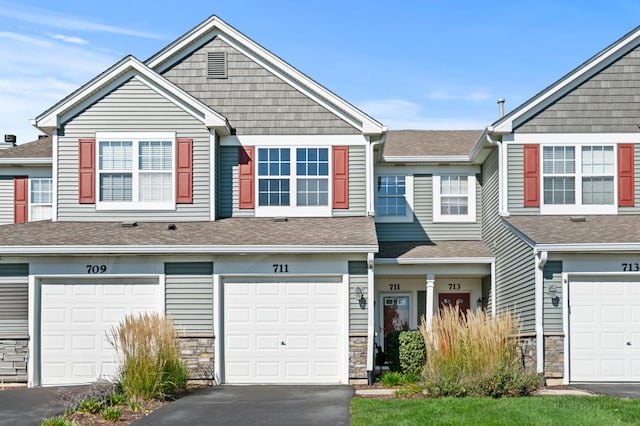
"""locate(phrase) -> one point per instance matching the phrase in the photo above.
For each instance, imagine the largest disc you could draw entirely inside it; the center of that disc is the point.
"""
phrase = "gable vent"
(216, 64)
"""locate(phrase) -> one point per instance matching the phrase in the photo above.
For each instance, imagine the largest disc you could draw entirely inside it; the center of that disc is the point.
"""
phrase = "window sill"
(578, 209)
(101, 206)
(394, 219)
(288, 211)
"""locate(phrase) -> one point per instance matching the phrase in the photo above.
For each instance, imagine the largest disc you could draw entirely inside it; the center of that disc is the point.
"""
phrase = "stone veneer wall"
(554, 356)
(527, 346)
(197, 352)
(357, 357)
(13, 360)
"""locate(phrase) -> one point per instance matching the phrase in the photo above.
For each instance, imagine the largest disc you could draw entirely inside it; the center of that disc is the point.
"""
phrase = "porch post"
(429, 307)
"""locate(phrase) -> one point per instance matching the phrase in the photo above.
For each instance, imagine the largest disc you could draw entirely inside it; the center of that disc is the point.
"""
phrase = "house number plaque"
(96, 269)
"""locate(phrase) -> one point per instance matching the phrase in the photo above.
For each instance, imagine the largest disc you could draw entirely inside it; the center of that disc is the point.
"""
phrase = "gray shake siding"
(14, 287)
(252, 98)
(357, 315)
(552, 317)
(423, 227)
(228, 190)
(132, 107)
(189, 296)
(607, 102)
(515, 275)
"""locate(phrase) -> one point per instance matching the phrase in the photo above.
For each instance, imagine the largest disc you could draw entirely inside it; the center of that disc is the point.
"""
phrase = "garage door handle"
(283, 343)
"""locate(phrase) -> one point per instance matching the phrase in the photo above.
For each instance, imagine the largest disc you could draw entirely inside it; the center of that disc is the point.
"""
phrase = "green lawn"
(535, 410)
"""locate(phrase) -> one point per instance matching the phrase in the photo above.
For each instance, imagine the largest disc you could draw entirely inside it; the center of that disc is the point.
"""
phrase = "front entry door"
(395, 313)
(461, 300)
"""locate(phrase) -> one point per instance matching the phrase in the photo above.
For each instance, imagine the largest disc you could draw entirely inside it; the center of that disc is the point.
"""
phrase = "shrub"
(100, 390)
(57, 421)
(474, 355)
(409, 378)
(151, 365)
(116, 399)
(91, 406)
(409, 390)
(393, 350)
(412, 352)
(111, 414)
(134, 405)
(391, 379)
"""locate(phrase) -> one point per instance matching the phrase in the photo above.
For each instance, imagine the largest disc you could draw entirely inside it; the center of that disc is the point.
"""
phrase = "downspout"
(502, 209)
(371, 211)
(371, 319)
(541, 260)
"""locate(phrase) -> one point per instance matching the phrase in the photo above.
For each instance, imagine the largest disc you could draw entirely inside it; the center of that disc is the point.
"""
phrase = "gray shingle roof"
(433, 249)
(602, 229)
(41, 148)
(409, 143)
(332, 231)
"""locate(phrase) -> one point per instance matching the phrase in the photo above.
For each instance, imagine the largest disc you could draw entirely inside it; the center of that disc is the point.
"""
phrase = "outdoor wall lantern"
(362, 301)
(553, 292)
(480, 303)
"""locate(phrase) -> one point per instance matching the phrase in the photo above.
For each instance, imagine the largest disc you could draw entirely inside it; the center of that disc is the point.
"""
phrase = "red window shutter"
(20, 199)
(340, 177)
(532, 175)
(245, 176)
(87, 171)
(184, 171)
(625, 176)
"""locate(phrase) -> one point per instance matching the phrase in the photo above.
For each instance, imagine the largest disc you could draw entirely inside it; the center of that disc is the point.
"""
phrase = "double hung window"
(136, 171)
(293, 181)
(394, 198)
(40, 199)
(576, 176)
(454, 198)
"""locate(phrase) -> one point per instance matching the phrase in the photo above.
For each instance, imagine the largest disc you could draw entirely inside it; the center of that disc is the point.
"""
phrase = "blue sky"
(410, 64)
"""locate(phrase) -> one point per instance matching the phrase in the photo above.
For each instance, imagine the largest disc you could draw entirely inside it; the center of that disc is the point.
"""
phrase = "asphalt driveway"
(257, 405)
(27, 407)
(620, 390)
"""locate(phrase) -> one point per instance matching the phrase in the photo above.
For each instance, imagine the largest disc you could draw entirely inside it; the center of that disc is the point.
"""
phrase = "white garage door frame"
(218, 314)
(34, 364)
(567, 278)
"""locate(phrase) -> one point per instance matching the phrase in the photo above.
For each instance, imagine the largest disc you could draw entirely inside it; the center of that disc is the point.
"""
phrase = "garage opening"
(284, 332)
(75, 317)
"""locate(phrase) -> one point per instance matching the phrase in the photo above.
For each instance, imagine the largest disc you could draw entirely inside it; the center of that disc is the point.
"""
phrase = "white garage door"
(279, 332)
(75, 319)
(604, 324)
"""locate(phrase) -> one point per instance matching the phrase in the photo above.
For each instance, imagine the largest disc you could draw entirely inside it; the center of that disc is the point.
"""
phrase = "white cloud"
(21, 38)
(399, 114)
(68, 39)
(51, 19)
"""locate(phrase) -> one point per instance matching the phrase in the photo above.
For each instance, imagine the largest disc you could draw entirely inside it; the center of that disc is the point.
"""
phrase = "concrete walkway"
(260, 404)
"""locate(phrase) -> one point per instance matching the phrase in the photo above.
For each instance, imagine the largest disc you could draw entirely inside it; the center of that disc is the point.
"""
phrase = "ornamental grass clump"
(473, 354)
(151, 367)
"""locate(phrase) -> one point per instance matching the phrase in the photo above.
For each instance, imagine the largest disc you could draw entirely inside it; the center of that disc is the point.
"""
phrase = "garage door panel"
(283, 312)
(601, 323)
(77, 319)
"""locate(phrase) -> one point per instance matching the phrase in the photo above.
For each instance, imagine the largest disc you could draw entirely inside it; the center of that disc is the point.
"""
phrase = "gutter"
(589, 247)
(172, 249)
(371, 208)
(26, 161)
(433, 260)
(540, 261)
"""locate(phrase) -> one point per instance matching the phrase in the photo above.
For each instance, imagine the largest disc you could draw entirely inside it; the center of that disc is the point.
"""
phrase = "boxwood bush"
(413, 352)
(393, 350)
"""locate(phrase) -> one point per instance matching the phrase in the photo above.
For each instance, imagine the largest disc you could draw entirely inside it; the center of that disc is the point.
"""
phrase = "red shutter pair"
(246, 177)
(87, 171)
(625, 175)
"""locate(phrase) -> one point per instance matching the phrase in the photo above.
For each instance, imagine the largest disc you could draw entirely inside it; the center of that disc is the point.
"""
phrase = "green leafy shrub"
(408, 378)
(91, 406)
(474, 355)
(391, 379)
(111, 414)
(57, 421)
(393, 349)
(151, 365)
(412, 352)
(117, 399)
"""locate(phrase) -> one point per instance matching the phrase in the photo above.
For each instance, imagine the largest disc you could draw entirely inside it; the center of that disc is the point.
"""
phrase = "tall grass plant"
(151, 367)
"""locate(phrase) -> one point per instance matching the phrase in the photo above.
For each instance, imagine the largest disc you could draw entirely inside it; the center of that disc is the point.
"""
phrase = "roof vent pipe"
(10, 139)
(501, 107)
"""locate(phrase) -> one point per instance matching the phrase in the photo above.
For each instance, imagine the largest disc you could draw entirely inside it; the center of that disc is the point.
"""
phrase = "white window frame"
(135, 138)
(470, 217)
(408, 196)
(33, 204)
(578, 207)
(293, 210)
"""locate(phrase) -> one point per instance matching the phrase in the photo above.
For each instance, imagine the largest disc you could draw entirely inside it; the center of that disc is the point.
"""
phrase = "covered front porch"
(414, 280)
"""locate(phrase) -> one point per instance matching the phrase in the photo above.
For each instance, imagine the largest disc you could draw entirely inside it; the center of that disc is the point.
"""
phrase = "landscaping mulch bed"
(128, 415)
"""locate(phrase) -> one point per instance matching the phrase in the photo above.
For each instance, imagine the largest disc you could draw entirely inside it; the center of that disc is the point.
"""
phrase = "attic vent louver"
(217, 65)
